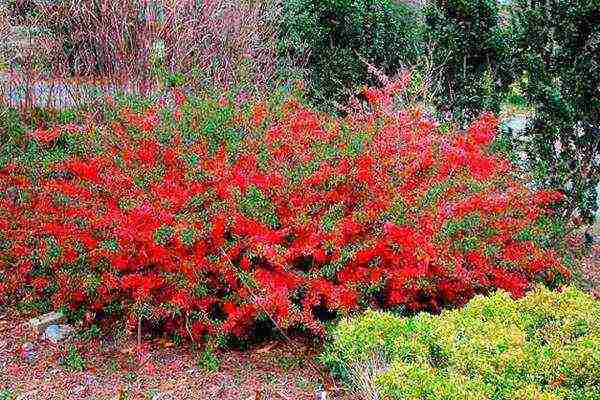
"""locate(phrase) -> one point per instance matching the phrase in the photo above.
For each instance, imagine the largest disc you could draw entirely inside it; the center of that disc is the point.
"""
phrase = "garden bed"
(110, 369)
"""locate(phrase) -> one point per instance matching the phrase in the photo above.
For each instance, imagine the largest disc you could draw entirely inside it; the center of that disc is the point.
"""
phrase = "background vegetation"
(475, 56)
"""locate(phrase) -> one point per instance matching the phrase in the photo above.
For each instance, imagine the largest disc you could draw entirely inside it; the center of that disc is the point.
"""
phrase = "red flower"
(547, 197)
(181, 300)
(483, 130)
(88, 170)
(150, 122)
(46, 135)
(259, 113)
(147, 153)
(39, 283)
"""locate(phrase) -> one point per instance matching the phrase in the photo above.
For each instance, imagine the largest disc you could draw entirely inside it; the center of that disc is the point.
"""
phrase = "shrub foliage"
(478, 55)
(472, 47)
(333, 37)
(558, 65)
(543, 346)
(204, 217)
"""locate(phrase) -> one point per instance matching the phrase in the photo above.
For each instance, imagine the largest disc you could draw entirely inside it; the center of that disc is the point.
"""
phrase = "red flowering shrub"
(205, 217)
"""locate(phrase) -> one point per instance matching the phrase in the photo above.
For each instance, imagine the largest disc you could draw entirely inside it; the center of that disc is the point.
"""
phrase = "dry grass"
(130, 43)
(363, 377)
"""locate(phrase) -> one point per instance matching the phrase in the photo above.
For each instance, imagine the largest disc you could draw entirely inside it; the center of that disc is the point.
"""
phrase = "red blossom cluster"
(304, 217)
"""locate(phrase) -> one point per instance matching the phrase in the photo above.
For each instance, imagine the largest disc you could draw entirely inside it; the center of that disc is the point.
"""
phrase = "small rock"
(321, 395)
(161, 396)
(41, 323)
(57, 333)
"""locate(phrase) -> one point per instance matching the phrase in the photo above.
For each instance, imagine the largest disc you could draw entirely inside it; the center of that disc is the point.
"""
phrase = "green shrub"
(557, 65)
(208, 360)
(7, 394)
(472, 47)
(332, 36)
(73, 361)
(543, 346)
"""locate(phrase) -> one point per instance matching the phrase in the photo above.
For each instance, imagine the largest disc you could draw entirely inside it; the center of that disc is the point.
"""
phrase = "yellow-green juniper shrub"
(541, 347)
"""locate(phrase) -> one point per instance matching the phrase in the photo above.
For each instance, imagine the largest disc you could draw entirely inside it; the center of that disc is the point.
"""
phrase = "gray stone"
(321, 395)
(57, 333)
(39, 324)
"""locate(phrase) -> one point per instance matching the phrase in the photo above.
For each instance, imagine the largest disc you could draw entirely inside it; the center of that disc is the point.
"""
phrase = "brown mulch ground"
(591, 264)
(120, 371)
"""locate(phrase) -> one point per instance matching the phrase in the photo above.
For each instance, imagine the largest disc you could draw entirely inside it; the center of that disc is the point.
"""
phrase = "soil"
(117, 369)
(591, 264)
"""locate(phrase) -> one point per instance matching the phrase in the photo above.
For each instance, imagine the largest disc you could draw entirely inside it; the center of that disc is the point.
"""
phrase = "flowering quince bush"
(206, 216)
